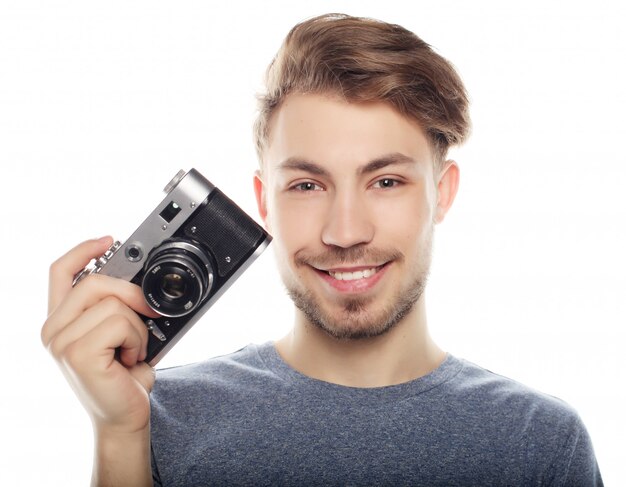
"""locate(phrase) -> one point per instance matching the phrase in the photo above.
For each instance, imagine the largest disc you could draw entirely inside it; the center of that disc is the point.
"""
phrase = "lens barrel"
(178, 276)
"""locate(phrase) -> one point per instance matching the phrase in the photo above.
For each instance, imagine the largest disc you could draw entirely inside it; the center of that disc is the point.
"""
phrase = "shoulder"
(244, 367)
(555, 440)
(481, 383)
(496, 391)
(243, 357)
(546, 423)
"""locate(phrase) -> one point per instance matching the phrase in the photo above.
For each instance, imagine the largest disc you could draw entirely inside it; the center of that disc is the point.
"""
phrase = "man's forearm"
(121, 459)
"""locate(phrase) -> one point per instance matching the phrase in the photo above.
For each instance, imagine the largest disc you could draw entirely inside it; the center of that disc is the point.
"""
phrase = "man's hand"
(86, 325)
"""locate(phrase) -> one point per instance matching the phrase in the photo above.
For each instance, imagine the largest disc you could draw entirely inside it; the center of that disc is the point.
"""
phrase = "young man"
(352, 137)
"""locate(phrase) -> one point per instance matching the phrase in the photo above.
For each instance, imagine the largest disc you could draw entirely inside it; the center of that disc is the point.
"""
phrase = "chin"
(354, 319)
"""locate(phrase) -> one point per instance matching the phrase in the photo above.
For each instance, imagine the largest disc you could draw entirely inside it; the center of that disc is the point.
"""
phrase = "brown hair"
(365, 60)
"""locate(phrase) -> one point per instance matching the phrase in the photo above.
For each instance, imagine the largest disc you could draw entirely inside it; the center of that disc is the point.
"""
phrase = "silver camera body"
(188, 251)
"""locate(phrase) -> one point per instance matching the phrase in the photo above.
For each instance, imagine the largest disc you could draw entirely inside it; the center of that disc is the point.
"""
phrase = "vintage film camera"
(190, 249)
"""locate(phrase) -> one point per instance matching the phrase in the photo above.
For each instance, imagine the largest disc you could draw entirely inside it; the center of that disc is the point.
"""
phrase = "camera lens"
(178, 276)
(173, 286)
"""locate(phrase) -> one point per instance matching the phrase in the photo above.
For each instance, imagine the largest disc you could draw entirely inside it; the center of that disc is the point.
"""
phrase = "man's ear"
(447, 187)
(261, 201)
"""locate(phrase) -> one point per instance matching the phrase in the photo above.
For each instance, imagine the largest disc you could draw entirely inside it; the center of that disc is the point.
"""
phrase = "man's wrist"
(121, 458)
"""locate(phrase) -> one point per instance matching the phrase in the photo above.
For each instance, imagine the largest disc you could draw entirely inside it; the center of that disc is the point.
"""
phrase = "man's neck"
(404, 353)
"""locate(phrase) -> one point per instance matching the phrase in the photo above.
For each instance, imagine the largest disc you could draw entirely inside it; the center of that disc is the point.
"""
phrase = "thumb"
(144, 374)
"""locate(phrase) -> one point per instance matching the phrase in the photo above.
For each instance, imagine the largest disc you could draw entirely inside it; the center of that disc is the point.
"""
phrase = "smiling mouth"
(354, 275)
(351, 280)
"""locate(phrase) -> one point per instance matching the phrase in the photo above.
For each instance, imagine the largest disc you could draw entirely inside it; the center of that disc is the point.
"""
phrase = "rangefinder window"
(170, 212)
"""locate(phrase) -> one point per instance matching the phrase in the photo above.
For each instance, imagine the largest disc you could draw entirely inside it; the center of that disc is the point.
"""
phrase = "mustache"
(336, 256)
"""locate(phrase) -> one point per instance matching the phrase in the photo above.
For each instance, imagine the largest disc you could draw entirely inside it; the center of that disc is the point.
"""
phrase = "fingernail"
(103, 239)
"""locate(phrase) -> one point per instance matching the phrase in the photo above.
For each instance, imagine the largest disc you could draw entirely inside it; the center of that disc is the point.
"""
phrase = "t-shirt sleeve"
(578, 466)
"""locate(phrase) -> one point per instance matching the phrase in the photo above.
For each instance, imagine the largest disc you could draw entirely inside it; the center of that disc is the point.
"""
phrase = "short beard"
(356, 322)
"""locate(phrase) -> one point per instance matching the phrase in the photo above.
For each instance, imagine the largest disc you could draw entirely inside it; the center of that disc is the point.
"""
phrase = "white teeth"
(351, 276)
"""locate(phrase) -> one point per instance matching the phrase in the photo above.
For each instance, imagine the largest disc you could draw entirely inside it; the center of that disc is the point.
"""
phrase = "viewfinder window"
(170, 212)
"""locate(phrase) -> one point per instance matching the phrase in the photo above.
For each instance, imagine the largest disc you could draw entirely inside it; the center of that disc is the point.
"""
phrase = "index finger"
(63, 270)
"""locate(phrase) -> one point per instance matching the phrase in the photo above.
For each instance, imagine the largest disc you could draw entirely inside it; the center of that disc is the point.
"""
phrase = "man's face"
(349, 194)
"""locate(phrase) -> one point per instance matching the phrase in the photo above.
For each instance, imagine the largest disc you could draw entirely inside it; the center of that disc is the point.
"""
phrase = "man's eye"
(386, 183)
(306, 186)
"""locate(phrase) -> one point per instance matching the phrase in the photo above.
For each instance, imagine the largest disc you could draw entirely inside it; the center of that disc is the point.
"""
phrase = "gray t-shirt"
(250, 419)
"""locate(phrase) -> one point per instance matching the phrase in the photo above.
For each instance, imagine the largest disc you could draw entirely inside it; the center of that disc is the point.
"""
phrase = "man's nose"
(348, 222)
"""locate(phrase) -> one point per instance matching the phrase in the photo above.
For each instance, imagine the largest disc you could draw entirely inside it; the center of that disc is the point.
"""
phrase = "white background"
(102, 103)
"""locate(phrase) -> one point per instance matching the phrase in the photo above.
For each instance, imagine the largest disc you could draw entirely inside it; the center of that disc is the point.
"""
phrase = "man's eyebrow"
(301, 164)
(384, 161)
